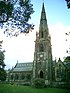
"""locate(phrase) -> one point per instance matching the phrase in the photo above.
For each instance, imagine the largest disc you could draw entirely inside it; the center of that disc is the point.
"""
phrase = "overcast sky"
(21, 48)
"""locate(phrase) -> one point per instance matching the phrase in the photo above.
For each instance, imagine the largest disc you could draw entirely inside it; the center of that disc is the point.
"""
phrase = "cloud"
(21, 48)
(58, 37)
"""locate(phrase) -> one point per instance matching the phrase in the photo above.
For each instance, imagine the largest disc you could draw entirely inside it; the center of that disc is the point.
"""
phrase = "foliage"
(14, 16)
(39, 83)
(7, 88)
(67, 59)
(5, 11)
(2, 74)
(68, 3)
(2, 65)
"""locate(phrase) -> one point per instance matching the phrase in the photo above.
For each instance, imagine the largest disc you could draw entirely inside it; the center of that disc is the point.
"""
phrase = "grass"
(6, 88)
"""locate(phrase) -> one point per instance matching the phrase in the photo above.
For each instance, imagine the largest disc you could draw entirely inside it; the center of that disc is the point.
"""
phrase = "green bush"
(39, 83)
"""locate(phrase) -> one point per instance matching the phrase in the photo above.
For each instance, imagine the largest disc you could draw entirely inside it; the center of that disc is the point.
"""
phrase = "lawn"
(6, 88)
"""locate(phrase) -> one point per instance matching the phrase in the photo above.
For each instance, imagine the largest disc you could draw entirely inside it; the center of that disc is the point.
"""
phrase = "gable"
(60, 64)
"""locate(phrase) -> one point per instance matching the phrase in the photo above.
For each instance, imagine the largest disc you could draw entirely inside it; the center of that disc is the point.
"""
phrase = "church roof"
(23, 67)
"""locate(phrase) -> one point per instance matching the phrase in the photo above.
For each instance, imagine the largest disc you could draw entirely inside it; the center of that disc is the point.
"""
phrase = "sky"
(22, 48)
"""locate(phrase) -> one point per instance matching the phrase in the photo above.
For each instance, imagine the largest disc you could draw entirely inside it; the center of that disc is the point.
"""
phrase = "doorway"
(41, 74)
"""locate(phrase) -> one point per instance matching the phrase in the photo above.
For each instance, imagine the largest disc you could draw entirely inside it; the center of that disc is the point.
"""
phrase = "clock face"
(41, 55)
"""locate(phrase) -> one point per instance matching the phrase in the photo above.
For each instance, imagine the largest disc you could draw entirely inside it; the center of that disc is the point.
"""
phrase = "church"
(43, 65)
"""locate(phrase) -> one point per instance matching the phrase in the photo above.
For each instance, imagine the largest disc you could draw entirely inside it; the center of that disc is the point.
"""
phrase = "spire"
(43, 22)
(43, 14)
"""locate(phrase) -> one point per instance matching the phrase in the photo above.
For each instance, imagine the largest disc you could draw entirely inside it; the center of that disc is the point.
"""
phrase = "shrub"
(39, 83)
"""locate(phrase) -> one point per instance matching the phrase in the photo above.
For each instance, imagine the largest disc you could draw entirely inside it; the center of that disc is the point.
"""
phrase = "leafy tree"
(2, 74)
(2, 66)
(68, 3)
(15, 14)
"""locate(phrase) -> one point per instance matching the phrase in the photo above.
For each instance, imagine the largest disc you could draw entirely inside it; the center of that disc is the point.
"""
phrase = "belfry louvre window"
(41, 48)
(42, 34)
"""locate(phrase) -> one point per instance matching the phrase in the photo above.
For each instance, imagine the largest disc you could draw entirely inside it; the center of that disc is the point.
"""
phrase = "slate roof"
(23, 67)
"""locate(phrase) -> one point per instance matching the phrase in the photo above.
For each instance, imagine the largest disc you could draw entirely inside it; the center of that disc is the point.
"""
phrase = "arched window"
(22, 76)
(42, 34)
(16, 76)
(58, 73)
(12, 77)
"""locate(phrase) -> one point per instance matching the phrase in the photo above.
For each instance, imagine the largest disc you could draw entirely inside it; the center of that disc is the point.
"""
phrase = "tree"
(68, 3)
(2, 65)
(2, 74)
(15, 14)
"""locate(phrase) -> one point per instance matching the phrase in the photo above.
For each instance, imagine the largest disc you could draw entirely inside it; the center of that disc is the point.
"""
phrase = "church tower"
(42, 64)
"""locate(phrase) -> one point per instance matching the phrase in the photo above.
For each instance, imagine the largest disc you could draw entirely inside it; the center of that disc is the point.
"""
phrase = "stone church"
(42, 66)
